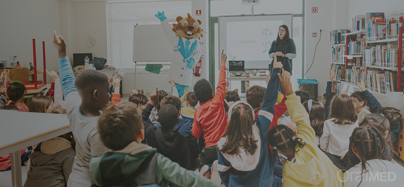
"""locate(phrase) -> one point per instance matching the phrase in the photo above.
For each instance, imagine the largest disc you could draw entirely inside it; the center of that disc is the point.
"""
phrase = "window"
(121, 18)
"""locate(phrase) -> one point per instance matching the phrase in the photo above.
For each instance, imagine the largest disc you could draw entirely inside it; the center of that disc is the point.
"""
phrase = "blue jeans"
(181, 88)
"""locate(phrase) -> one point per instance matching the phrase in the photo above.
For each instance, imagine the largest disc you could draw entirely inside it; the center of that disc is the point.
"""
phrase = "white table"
(22, 129)
(251, 78)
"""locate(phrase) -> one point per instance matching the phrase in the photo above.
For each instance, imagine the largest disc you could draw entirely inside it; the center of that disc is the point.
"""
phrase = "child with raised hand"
(116, 97)
(367, 143)
(210, 117)
(305, 164)
(359, 101)
(317, 118)
(244, 157)
(83, 107)
(188, 111)
(328, 95)
(140, 100)
(132, 163)
(338, 128)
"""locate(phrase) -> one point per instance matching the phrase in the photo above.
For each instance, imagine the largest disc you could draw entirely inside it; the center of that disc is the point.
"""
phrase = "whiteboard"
(150, 44)
(249, 37)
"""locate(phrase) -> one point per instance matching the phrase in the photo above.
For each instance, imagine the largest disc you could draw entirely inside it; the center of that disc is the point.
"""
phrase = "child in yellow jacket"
(306, 164)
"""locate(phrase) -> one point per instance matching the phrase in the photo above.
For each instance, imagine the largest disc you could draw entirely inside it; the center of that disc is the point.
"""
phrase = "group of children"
(224, 141)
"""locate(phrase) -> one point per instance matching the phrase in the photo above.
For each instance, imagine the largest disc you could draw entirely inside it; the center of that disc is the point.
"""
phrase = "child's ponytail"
(281, 137)
(239, 131)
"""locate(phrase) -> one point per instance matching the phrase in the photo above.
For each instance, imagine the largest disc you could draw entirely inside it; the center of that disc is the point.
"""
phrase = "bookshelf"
(371, 52)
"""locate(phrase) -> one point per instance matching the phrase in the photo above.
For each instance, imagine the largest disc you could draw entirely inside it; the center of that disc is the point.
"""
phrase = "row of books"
(382, 81)
(356, 46)
(381, 55)
(356, 74)
(337, 52)
(376, 26)
(392, 28)
(336, 87)
(336, 36)
(339, 72)
(358, 23)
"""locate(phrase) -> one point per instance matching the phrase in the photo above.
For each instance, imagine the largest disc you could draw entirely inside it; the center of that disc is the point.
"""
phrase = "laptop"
(236, 68)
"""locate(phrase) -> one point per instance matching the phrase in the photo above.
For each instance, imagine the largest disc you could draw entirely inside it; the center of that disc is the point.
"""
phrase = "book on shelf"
(358, 23)
(385, 55)
(336, 36)
(376, 26)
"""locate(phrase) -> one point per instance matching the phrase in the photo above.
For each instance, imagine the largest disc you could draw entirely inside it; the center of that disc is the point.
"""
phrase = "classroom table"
(240, 78)
(22, 129)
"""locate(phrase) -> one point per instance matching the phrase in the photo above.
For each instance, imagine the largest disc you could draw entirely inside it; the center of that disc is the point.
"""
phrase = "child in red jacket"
(210, 117)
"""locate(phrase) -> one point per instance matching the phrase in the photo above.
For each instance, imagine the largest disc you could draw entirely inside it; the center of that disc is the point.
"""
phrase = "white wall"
(90, 21)
(314, 22)
(67, 25)
(23, 20)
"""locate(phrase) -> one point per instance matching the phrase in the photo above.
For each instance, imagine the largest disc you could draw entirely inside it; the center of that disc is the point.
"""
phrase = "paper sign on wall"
(314, 34)
(314, 9)
(198, 12)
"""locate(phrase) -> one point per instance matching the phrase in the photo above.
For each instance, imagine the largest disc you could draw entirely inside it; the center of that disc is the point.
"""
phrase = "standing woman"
(284, 48)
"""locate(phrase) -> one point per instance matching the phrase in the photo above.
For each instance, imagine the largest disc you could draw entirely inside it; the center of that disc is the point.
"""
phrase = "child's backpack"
(144, 176)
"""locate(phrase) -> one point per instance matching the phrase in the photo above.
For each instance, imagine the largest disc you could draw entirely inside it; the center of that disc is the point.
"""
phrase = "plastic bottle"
(18, 64)
(86, 60)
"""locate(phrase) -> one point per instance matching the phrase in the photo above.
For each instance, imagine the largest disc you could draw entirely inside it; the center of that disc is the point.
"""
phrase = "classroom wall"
(314, 22)
(67, 26)
(23, 20)
(90, 21)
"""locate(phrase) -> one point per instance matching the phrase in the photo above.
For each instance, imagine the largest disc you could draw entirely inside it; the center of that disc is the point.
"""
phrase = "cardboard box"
(18, 74)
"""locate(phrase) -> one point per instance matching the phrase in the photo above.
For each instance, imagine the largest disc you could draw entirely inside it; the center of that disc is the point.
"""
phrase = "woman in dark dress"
(284, 48)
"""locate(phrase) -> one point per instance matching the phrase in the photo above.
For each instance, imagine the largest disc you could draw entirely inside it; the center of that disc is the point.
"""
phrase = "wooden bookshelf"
(362, 67)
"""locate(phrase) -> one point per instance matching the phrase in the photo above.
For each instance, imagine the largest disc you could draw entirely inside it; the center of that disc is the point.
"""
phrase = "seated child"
(304, 95)
(254, 97)
(392, 114)
(359, 101)
(183, 126)
(305, 164)
(83, 107)
(244, 157)
(15, 93)
(231, 98)
(188, 111)
(121, 130)
(394, 117)
(317, 118)
(51, 162)
(40, 104)
(383, 126)
(140, 100)
(210, 117)
(367, 143)
(3, 100)
(338, 128)
(165, 139)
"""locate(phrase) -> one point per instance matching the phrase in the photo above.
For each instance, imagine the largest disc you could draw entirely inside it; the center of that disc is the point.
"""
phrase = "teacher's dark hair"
(286, 38)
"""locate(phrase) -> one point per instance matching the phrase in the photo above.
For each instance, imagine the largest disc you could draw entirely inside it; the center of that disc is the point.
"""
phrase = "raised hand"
(160, 16)
(186, 91)
(332, 75)
(111, 78)
(53, 74)
(345, 91)
(154, 97)
(277, 64)
(362, 86)
(117, 82)
(172, 81)
(246, 84)
(223, 59)
(285, 82)
(60, 44)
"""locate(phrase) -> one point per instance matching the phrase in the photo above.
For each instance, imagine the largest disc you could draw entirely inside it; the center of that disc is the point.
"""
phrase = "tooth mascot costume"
(184, 36)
